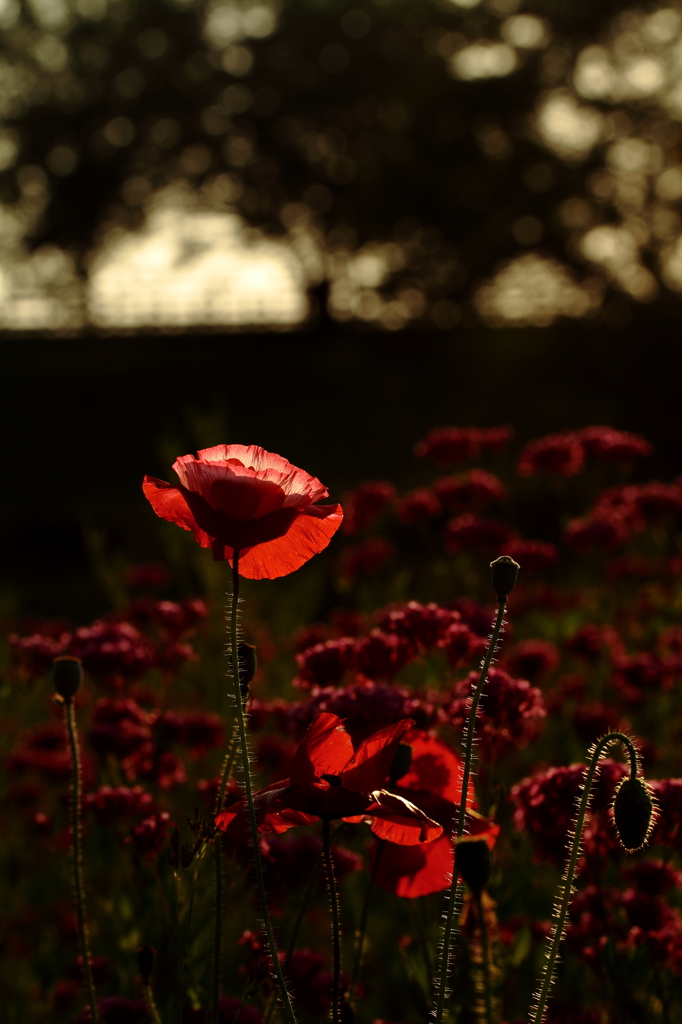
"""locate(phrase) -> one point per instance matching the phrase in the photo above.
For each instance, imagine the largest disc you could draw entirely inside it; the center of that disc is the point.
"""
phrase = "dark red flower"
(44, 749)
(325, 663)
(151, 834)
(469, 491)
(365, 559)
(562, 454)
(199, 731)
(113, 649)
(418, 506)
(592, 639)
(363, 707)
(362, 505)
(311, 982)
(447, 446)
(511, 710)
(544, 807)
(532, 555)
(495, 439)
(462, 645)
(238, 497)
(467, 531)
(421, 626)
(331, 780)
(533, 658)
(37, 652)
(615, 445)
(584, 534)
(147, 574)
(381, 655)
(117, 1010)
(668, 827)
(120, 726)
(116, 804)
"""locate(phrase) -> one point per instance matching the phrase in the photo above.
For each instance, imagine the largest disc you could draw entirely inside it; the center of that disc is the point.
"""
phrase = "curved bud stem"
(77, 857)
(538, 1008)
(248, 787)
(454, 896)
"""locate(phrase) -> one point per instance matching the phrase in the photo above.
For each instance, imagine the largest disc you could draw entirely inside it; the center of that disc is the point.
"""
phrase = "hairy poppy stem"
(455, 889)
(360, 933)
(150, 1003)
(77, 858)
(336, 923)
(228, 762)
(485, 950)
(248, 786)
(537, 1011)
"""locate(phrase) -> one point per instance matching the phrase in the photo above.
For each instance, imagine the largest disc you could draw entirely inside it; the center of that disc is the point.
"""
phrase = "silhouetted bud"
(401, 763)
(474, 863)
(247, 666)
(503, 572)
(145, 962)
(633, 810)
(67, 674)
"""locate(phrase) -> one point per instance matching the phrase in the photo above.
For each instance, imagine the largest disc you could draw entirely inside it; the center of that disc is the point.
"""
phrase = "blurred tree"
(423, 161)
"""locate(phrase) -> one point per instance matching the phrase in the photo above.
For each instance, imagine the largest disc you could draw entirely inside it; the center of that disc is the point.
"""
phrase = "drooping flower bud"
(633, 810)
(145, 962)
(503, 572)
(67, 675)
(247, 666)
(474, 863)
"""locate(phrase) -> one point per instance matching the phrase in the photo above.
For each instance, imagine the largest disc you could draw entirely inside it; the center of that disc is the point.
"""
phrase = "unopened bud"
(145, 962)
(67, 675)
(633, 810)
(247, 666)
(503, 572)
(474, 863)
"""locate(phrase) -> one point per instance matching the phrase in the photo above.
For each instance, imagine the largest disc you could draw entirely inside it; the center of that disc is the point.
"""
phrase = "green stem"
(336, 924)
(228, 762)
(77, 859)
(537, 1011)
(150, 1003)
(454, 894)
(248, 786)
(486, 961)
(360, 933)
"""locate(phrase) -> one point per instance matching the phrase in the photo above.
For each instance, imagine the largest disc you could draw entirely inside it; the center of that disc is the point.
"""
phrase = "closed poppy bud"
(633, 810)
(247, 666)
(503, 572)
(67, 675)
(474, 863)
(145, 962)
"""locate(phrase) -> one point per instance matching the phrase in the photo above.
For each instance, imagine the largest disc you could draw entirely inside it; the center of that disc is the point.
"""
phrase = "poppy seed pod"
(474, 863)
(67, 675)
(633, 810)
(503, 572)
(145, 962)
(247, 666)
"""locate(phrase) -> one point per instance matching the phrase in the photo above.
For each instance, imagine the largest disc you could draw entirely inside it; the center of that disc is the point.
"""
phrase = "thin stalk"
(336, 923)
(360, 933)
(248, 786)
(455, 889)
(537, 1011)
(485, 950)
(228, 762)
(150, 1003)
(77, 857)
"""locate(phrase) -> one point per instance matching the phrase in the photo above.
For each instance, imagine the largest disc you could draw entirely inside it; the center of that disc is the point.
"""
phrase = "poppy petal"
(399, 821)
(370, 764)
(309, 533)
(412, 871)
(435, 767)
(295, 482)
(325, 749)
(169, 503)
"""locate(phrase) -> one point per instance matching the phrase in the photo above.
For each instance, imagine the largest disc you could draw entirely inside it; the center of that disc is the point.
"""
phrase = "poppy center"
(333, 780)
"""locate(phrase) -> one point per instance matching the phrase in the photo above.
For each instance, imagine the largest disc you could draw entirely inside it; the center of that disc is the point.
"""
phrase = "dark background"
(84, 419)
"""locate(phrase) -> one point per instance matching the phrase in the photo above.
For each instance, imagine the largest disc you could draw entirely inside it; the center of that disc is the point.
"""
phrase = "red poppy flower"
(433, 783)
(237, 497)
(331, 780)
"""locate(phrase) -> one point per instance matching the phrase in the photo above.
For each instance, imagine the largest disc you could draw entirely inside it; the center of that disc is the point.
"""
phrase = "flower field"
(345, 641)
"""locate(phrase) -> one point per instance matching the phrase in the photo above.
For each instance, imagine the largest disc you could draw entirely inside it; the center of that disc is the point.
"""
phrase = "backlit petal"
(412, 871)
(295, 482)
(309, 534)
(325, 749)
(399, 821)
(168, 503)
(435, 767)
(369, 766)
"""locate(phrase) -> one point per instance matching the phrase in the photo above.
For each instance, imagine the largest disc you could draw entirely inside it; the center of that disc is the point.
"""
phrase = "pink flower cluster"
(452, 445)
(564, 454)
(511, 711)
